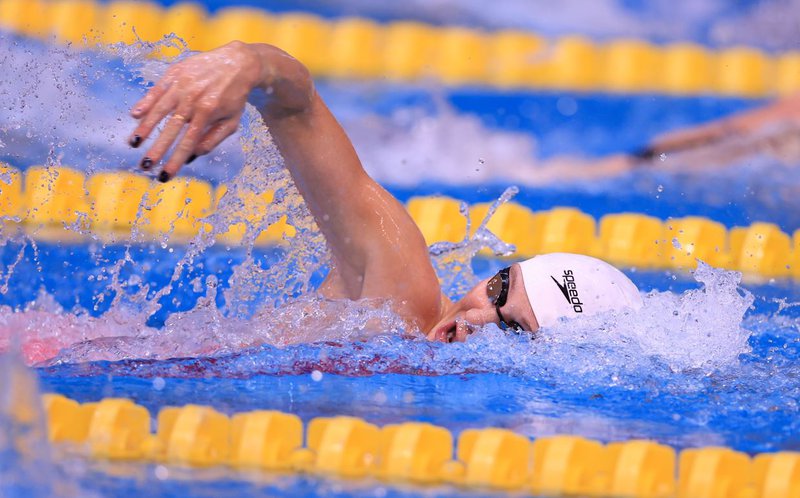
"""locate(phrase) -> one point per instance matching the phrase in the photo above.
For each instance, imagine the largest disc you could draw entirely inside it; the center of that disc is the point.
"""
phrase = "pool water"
(686, 371)
(707, 361)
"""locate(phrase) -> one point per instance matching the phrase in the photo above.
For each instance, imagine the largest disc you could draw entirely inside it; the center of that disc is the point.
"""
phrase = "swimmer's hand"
(203, 97)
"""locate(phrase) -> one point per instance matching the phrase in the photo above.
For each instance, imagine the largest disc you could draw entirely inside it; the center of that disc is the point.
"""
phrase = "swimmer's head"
(539, 292)
(562, 285)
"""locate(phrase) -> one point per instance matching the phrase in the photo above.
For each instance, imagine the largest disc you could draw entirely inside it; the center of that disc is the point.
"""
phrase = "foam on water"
(414, 145)
(70, 107)
(699, 331)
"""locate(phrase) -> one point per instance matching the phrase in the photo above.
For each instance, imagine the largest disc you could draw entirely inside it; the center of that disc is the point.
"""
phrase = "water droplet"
(316, 376)
(161, 472)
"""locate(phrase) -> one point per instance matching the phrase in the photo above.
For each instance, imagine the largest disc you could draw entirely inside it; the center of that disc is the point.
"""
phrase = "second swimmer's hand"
(202, 99)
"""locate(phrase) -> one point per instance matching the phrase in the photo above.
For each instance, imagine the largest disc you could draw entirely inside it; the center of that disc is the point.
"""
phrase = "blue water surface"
(393, 379)
(749, 404)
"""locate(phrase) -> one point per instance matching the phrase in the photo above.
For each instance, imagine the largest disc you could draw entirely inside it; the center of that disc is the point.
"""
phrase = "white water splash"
(698, 329)
(414, 146)
(70, 107)
(453, 260)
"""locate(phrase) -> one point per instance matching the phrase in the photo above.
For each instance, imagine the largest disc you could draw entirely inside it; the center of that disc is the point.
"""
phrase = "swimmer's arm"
(761, 124)
(378, 249)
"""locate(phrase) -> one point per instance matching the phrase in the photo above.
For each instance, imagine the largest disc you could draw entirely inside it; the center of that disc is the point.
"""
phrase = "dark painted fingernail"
(191, 158)
(146, 163)
(135, 141)
(646, 153)
(163, 177)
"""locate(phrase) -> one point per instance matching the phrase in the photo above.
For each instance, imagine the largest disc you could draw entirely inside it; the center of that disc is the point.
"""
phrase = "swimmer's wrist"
(284, 79)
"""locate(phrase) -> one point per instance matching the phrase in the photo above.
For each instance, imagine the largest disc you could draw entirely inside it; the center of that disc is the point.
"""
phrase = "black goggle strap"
(504, 278)
(504, 324)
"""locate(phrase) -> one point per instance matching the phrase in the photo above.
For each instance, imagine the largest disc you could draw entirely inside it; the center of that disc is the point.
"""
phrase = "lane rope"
(414, 452)
(121, 207)
(362, 49)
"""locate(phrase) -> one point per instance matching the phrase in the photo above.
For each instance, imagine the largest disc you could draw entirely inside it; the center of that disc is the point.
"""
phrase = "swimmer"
(377, 249)
(772, 130)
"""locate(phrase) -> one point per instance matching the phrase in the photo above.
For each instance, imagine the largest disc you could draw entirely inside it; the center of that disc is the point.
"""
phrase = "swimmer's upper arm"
(378, 249)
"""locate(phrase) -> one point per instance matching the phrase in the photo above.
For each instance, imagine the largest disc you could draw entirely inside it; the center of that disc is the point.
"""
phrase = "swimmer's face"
(477, 308)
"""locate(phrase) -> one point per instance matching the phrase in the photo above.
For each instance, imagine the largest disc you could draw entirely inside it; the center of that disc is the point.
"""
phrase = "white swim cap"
(572, 285)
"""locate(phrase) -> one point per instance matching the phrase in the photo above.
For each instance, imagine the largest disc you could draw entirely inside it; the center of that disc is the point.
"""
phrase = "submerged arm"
(378, 250)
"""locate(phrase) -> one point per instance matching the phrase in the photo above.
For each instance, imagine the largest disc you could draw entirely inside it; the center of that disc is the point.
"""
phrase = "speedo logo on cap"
(570, 290)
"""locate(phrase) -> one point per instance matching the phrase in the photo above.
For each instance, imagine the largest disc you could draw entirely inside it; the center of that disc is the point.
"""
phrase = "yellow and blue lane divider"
(358, 48)
(418, 453)
(114, 205)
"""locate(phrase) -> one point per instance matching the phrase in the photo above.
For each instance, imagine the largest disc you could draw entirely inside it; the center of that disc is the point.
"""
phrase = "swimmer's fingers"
(198, 140)
(172, 129)
(165, 105)
(184, 152)
(216, 134)
(153, 95)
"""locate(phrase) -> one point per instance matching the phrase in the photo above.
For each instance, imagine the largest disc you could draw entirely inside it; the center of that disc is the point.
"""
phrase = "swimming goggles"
(497, 291)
